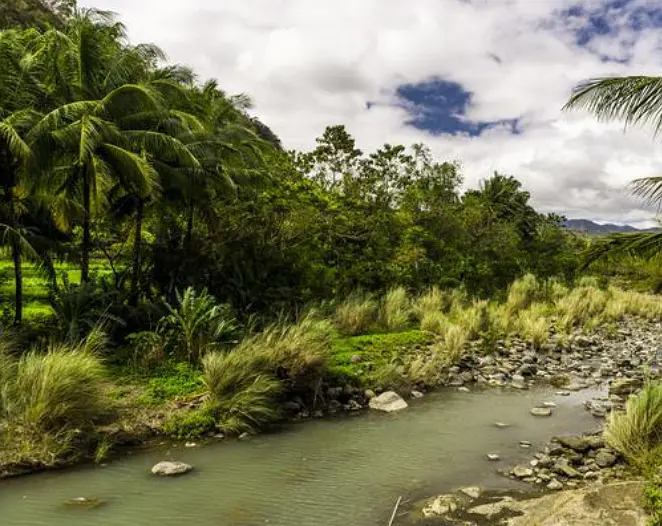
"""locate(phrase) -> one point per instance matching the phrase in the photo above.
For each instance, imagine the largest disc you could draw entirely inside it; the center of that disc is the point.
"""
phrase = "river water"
(346, 471)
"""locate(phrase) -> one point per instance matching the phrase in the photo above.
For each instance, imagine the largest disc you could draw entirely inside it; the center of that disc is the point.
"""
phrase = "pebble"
(416, 394)
(554, 485)
(501, 425)
(541, 411)
(548, 404)
(562, 393)
(525, 444)
(190, 444)
(493, 457)
(464, 389)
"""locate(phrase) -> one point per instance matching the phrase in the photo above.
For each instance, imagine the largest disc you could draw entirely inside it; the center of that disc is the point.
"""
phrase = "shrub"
(356, 314)
(637, 432)
(395, 310)
(196, 324)
(190, 424)
(430, 302)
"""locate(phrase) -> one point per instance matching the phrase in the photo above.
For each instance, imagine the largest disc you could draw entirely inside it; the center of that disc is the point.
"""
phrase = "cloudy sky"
(479, 81)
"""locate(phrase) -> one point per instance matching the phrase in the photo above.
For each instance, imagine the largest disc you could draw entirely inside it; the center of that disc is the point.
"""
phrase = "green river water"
(335, 472)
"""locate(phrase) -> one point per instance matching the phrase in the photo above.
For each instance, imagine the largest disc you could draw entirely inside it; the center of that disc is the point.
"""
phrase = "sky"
(482, 82)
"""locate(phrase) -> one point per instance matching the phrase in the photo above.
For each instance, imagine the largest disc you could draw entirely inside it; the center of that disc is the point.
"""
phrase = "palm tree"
(636, 100)
(99, 130)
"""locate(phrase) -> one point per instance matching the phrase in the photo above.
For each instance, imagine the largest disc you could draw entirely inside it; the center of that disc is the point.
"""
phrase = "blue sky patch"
(438, 107)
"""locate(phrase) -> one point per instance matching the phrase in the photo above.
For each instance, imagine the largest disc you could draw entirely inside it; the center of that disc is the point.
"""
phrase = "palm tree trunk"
(189, 225)
(16, 258)
(87, 238)
(137, 245)
(18, 279)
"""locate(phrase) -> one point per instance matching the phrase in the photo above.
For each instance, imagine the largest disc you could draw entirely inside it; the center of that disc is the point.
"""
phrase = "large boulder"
(388, 401)
(169, 468)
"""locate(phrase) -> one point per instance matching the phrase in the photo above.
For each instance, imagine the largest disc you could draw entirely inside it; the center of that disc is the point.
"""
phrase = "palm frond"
(635, 99)
(648, 188)
(134, 171)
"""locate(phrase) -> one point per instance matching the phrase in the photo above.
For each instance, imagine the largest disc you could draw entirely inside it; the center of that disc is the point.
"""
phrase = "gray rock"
(493, 457)
(576, 443)
(554, 485)
(169, 468)
(501, 425)
(389, 402)
(369, 393)
(521, 472)
(84, 502)
(464, 389)
(624, 386)
(416, 394)
(541, 411)
(605, 459)
(562, 467)
(525, 444)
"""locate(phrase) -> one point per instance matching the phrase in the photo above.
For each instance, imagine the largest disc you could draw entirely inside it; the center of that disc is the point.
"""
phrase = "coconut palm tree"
(635, 100)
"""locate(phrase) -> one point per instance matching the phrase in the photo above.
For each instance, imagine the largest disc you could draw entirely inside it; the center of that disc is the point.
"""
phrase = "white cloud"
(308, 64)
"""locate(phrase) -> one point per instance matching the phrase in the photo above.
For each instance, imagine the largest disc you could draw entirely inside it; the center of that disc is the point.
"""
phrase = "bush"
(196, 324)
(395, 311)
(636, 433)
(190, 424)
(250, 408)
(356, 314)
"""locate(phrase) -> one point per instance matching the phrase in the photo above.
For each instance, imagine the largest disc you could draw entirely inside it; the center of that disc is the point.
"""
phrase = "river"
(332, 472)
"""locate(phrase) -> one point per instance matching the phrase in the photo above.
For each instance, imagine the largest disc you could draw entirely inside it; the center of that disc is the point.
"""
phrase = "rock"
(493, 508)
(244, 436)
(521, 472)
(562, 467)
(501, 425)
(601, 505)
(388, 401)
(525, 444)
(548, 404)
(169, 468)
(416, 394)
(333, 393)
(440, 506)
(624, 386)
(605, 459)
(473, 492)
(463, 389)
(554, 485)
(493, 457)
(541, 411)
(576, 443)
(562, 393)
(355, 358)
(190, 444)
(369, 394)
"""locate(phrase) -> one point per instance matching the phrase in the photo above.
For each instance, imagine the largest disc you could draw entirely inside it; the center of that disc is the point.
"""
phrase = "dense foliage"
(110, 155)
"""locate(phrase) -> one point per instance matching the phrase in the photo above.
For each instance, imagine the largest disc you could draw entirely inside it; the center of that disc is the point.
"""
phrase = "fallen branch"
(395, 510)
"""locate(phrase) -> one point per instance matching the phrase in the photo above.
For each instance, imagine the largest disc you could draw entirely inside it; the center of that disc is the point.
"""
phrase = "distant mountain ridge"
(585, 225)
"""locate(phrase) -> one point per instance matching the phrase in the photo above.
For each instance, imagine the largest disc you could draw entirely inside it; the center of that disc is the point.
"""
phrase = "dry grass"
(453, 342)
(356, 314)
(522, 293)
(474, 319)
(434, 322)
(396, 310)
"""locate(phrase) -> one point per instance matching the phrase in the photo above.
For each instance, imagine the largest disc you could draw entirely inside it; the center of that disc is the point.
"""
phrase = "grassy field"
(35, 285)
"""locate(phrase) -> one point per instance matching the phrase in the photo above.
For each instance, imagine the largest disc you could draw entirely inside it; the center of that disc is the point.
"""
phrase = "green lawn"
(35, 289)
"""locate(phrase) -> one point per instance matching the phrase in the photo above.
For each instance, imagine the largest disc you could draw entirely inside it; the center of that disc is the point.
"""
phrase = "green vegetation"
(228, 274)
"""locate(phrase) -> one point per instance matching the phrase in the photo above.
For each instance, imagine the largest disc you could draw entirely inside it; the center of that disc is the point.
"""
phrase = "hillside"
(591, 227)
(26, 13)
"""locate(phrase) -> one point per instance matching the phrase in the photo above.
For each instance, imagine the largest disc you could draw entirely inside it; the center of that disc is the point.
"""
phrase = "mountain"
(585, 225)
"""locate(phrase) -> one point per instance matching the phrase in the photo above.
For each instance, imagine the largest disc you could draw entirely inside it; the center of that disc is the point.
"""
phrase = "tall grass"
(637, 432)
(356, 314)
(244, 383)
(534, 325)
(434, 322)
(522, 293)
(581, 305)
(430, 302)
(452, 345)
(395, 311)
(474, 319)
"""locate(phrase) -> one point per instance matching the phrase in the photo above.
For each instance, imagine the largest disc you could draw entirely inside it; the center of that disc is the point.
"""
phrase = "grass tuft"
(395, 311)
(356, 314)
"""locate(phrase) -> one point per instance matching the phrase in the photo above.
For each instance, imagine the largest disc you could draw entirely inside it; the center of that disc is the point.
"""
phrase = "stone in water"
(389, 402)
(541, 411)
(169, 469)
